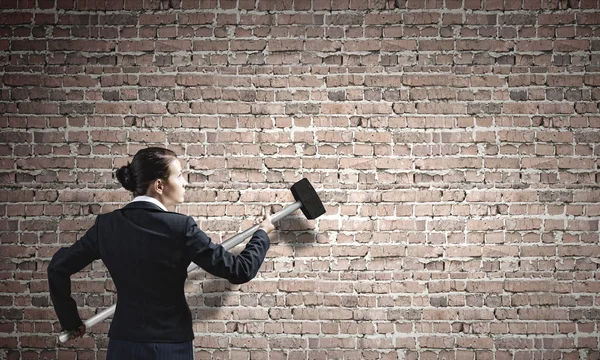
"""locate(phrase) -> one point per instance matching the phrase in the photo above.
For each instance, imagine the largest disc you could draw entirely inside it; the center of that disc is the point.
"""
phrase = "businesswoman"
(147, 250)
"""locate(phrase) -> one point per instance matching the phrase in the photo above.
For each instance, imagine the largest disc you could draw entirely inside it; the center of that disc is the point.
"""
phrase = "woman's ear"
(158, 186)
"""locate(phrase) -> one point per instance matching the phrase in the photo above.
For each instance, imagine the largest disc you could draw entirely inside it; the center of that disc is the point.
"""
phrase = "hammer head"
(312, 207)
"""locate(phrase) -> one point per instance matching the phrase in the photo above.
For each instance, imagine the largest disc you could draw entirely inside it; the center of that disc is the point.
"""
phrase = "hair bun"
(125, 178)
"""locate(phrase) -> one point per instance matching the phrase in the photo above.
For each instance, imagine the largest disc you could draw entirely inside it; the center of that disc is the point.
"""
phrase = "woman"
(147, 250)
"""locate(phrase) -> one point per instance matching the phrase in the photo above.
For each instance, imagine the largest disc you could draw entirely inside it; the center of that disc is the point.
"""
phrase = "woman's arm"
(64, 263)
(214, 259)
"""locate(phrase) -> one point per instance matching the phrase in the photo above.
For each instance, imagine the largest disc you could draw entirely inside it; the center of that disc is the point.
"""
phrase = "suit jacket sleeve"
(64, 263)
(214, 259)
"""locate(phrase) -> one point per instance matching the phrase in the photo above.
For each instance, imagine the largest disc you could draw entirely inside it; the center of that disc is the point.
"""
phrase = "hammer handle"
(227, 244)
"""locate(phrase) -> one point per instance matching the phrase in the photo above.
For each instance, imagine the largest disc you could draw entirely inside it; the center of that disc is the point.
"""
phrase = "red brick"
(14, 18)
(157, 19)
(534, 45)
(543, 314)
(449, 163)
(12, 287)
(196, 19)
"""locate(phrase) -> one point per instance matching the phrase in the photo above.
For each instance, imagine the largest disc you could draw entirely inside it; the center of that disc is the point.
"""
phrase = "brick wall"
(454, 143)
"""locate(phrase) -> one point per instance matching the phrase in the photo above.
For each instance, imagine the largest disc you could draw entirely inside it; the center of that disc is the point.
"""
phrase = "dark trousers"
(121, 349)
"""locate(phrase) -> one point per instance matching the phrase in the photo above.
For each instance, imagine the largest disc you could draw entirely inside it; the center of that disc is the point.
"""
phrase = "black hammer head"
(312, 207)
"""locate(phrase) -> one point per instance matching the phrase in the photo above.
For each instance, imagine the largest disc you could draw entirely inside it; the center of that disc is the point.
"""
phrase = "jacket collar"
(151, 200)
(142, 205)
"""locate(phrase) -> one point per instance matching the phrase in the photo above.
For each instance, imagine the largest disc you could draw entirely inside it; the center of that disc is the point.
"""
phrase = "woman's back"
(144, 249)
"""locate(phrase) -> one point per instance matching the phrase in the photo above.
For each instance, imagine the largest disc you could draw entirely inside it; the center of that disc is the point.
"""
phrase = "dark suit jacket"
(147, 252)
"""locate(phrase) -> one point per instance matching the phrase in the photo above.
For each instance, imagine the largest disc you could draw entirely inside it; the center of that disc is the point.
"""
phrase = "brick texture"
(454, 143)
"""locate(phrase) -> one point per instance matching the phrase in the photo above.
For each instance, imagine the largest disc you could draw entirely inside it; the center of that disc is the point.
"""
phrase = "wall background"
(455, 144)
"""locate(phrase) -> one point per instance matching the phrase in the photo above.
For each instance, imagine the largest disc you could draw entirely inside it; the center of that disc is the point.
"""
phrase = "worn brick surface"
(454, 143)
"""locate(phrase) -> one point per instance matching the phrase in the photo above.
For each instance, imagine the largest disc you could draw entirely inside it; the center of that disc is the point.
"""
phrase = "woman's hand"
(79, 332)
(266, 224)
